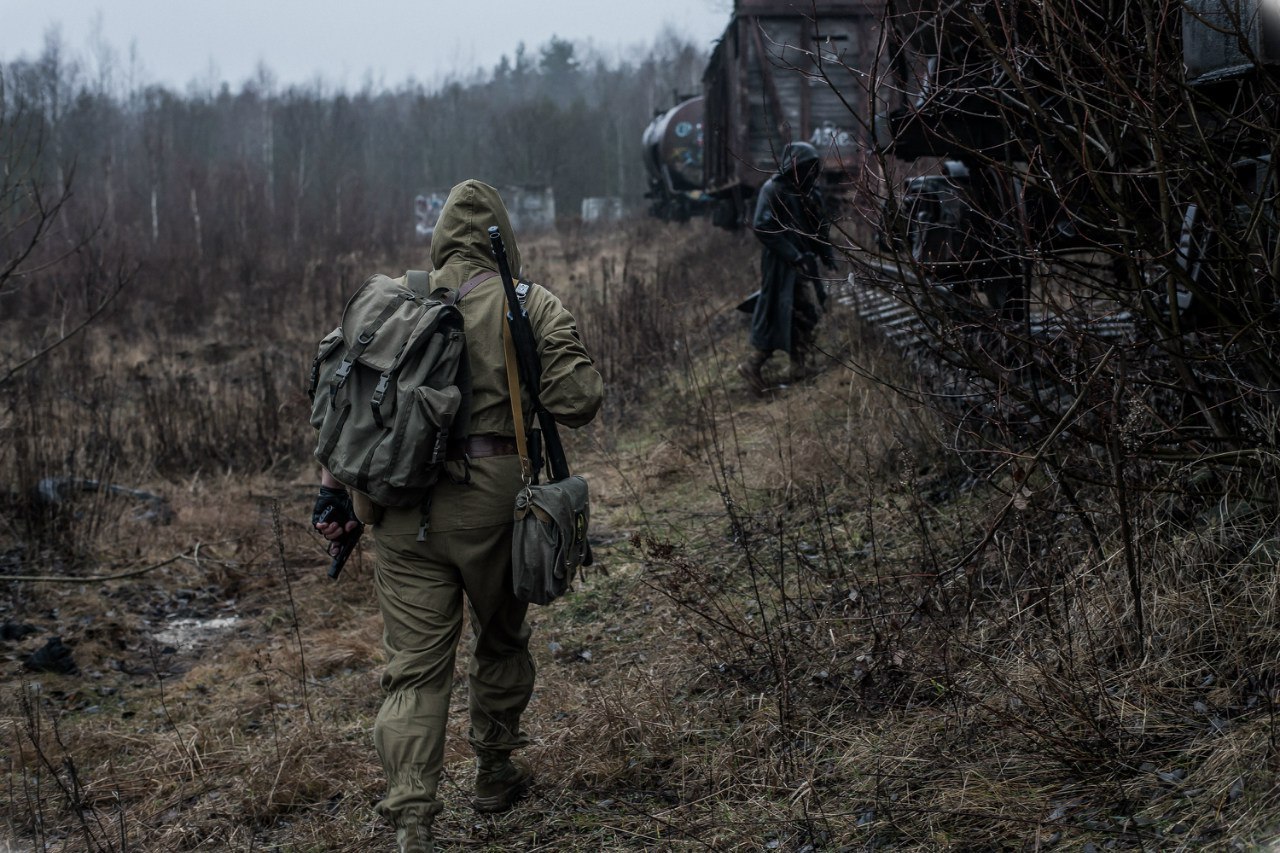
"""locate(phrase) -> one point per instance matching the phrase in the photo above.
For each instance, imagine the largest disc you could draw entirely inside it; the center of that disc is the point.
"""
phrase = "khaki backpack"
(387, 387)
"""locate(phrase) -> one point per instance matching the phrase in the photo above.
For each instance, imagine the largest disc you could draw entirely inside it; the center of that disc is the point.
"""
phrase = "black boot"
(801, 367)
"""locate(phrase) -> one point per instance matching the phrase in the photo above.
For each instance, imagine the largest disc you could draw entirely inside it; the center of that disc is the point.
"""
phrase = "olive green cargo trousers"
(420, 586)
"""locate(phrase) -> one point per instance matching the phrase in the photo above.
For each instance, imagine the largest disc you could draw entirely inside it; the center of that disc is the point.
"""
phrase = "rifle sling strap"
(517, 407)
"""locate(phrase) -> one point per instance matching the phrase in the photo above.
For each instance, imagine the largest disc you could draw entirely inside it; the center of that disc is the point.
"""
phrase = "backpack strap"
(419, 281)
(362, 343)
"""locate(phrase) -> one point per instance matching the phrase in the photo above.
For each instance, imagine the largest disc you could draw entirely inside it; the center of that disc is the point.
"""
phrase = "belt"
(481, 446)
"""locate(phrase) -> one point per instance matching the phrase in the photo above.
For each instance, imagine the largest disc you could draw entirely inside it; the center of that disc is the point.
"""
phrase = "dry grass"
(778, 657)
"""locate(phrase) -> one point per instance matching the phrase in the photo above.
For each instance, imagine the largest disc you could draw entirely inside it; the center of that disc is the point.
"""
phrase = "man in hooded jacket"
(790, 221)
(420, 583)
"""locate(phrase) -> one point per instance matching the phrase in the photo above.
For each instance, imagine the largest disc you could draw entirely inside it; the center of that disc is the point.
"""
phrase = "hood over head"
(800, 164)
(460, 247)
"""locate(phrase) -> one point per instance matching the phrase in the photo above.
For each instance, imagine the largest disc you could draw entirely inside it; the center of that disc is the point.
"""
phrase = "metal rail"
(1021, 384)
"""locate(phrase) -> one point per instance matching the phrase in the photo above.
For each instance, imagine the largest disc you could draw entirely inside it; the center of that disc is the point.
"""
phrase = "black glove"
(332, 506)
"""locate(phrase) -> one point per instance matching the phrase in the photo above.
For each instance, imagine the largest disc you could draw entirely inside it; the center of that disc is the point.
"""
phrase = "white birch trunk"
(195, 218)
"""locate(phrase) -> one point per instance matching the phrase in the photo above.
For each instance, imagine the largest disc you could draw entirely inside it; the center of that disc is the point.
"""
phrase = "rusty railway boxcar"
(787, 70)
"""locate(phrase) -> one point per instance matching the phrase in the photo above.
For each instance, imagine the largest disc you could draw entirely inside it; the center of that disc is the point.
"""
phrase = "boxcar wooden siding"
(770, 81)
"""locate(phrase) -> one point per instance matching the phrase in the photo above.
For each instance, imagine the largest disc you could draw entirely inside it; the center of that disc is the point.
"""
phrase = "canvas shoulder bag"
(549, 542)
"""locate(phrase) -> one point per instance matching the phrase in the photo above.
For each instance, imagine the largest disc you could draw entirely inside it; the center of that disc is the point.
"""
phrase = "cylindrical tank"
(673, 147)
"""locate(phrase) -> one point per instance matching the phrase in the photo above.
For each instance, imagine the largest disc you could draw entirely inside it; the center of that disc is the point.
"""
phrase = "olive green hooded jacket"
(571, 388)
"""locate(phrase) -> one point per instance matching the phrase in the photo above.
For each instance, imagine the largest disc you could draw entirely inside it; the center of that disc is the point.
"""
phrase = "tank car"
(673, 153)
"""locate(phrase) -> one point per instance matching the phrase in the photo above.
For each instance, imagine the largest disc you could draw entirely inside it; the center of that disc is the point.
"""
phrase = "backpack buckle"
(375, 401)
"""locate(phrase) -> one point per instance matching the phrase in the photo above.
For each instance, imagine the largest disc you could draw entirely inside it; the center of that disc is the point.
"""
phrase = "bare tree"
(35, 234)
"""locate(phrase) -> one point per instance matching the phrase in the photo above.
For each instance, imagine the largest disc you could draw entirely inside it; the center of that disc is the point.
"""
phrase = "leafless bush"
(645, 308)
(1093, 276)
(47, 791)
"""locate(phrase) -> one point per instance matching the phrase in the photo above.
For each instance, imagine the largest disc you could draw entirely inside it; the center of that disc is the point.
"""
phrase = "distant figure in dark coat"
(791, 222)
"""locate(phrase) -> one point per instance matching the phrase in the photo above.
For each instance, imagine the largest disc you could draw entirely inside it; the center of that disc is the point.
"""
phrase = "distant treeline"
(220, 170)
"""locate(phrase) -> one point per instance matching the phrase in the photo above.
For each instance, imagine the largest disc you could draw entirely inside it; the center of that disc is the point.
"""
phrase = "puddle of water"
(186, 634)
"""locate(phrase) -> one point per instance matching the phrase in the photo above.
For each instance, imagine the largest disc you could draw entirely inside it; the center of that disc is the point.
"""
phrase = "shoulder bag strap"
(468, 286)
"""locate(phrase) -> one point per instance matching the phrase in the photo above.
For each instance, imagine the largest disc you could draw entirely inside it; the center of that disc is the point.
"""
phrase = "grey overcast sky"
(176, 42)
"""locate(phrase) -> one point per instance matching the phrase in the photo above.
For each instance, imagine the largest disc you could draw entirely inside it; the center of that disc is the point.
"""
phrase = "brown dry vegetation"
(772, 655)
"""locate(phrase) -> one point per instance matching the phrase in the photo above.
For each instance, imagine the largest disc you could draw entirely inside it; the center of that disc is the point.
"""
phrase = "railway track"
(1006, 373)
(888, 298)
